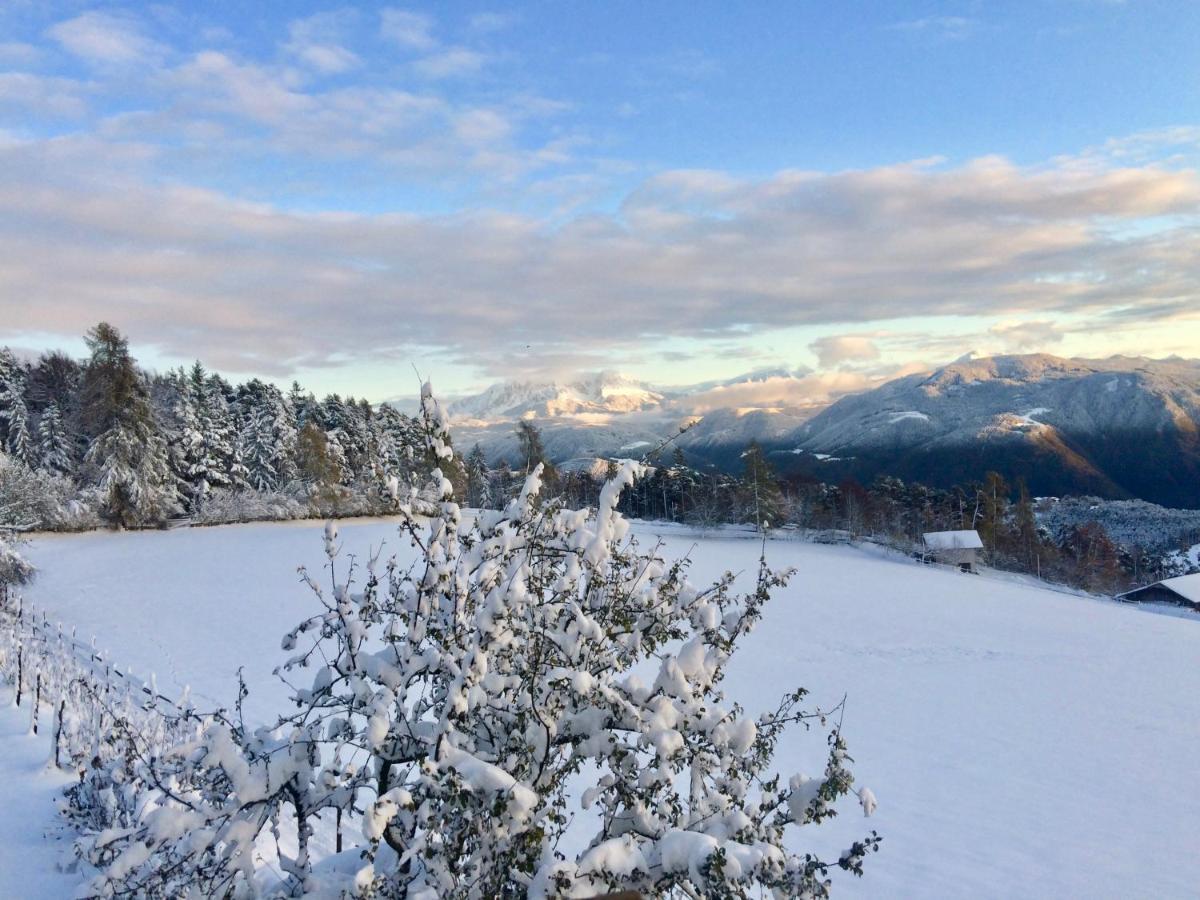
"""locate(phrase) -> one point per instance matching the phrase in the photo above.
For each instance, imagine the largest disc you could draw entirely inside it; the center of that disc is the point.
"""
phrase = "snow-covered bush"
(222, 506)
(34, 499)
(14, 568)
(457, 709)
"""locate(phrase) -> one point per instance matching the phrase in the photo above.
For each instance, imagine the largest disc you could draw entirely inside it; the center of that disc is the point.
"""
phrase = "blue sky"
(682, 190)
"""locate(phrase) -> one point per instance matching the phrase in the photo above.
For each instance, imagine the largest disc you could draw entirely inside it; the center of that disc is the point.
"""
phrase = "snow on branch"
(454, 710)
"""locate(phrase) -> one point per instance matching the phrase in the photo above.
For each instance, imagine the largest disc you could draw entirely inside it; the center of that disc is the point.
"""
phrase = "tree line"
(1019, 533)
(99, 440)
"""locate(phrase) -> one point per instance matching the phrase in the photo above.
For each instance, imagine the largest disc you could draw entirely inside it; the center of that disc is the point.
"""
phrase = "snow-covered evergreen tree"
(268, 436)
(479, 485)
(14, 414)
(460, 704)
(20, 442)
(54, 443)
(129, 465)
(128, 460)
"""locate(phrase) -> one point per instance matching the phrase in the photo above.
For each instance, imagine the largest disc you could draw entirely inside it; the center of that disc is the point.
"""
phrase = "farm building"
(1181, 591)
(953, 548)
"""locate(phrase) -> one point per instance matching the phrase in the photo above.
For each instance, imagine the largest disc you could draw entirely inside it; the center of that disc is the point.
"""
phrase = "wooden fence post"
(37, 701)
(58, 727)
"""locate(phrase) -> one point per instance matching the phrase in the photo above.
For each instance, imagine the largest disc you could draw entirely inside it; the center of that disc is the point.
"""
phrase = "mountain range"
(1120, 427)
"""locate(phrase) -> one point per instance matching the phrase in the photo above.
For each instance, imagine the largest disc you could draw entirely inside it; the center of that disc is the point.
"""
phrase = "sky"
(350, 195)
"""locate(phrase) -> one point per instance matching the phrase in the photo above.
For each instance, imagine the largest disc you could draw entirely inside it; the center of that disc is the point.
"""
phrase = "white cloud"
(317, 42)
(44, 95)
(834, 350)
(1026, 337)
(487, 22)
(797, 391)
(945, 28)
(454, 62)
(106, 38)
(17, 53)
(700, 255)
(413, 31)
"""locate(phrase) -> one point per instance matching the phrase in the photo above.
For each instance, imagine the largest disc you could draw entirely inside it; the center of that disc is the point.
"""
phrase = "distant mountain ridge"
(1118, 427)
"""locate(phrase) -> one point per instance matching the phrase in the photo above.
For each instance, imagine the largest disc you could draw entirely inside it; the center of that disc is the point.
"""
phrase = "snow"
(953, 540)
(1004, 731)
(635, 445)
(908, 414)
(32, 841)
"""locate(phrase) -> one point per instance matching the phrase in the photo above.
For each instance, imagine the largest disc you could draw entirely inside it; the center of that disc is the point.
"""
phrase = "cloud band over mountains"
(258, 287)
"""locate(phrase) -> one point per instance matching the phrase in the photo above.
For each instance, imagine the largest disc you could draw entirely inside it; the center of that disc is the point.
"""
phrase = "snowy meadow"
(1004, 728)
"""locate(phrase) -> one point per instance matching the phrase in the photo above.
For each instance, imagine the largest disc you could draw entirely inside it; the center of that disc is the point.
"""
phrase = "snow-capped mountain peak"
(603, 392)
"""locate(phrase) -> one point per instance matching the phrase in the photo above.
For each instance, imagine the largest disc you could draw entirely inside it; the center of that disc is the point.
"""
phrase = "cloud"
(795, 391)
(834, 350)
(45, 95)
(487, 22)
(454, 62)
(106, 38)
(688, 254)
(939, 28)
(315, 41)
(413, 31)
(17, 53)
(1024, 337)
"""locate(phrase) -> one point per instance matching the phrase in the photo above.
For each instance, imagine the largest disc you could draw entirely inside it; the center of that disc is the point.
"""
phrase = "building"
(1181, 591)
(953, 548)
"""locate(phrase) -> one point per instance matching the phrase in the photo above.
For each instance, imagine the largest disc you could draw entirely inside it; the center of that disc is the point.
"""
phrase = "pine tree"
(479, 488)
(54, 442)
(14, 415)
(762, 487)
(20, 444)
(262, 449)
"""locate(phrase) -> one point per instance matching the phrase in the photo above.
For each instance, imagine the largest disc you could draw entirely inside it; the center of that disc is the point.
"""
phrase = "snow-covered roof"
(1186, 586)
(953, 540)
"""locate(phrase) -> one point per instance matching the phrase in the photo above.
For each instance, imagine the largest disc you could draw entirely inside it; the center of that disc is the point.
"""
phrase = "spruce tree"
(479, 488)
(54, 442)
(20, 444)
(14, 416)
(764, 497)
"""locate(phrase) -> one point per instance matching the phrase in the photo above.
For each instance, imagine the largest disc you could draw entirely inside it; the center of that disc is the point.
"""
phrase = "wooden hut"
(1181, 591)
(953, 548)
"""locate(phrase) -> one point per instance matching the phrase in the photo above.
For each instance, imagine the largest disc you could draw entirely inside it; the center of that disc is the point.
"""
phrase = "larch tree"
(127, 460)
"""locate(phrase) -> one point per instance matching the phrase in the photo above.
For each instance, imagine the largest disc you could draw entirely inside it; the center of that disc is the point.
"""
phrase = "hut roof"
(953, 540)
(1186, 586)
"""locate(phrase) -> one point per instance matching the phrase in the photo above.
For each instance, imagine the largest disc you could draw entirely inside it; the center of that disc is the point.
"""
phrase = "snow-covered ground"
(33, 840)
(1020, 741)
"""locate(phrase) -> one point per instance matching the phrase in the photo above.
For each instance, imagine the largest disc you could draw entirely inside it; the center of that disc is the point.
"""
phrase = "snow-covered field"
(1020, 741)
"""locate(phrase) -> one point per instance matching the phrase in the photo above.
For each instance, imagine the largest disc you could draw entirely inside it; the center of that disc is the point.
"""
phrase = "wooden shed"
(953, 548)
(1181, 591)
